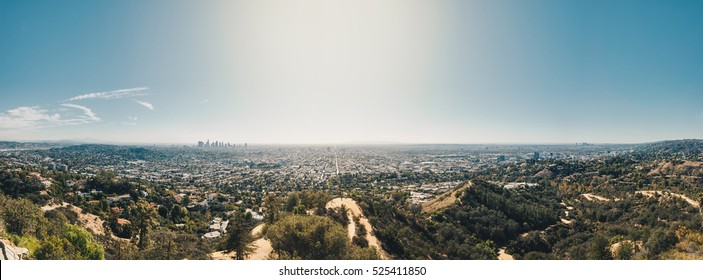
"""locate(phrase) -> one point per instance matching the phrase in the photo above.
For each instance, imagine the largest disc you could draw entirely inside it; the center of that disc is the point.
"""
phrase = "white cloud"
(27, 118)
(87, 112)
(132, 121)
(145, 104)
(34, 117)
(115, 94)
(204, 101)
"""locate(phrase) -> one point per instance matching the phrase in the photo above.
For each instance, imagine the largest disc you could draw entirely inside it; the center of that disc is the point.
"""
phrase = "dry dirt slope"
(262, 248)
(89, 221)
(444, 200)
(694, 168)
(355, 210)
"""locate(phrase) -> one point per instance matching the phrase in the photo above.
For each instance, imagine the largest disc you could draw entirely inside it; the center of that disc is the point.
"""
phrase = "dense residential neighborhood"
(129, 201)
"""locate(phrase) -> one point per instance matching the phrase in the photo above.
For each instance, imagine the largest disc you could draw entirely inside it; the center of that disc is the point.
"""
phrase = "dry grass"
(686, 168)
(690, 201)
(444, 200)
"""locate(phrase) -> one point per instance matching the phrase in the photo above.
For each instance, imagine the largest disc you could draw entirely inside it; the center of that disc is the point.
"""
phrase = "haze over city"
(333, 135)
(352, 72)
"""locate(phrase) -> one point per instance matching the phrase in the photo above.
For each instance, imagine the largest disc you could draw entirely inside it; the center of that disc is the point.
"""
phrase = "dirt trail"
(444, 200)
(263, 245)
(503, 256)
(567, 214)
(53, 206)
(355, 210)
(690, 201)
(222, 256)
(262, 248)
(592, 197)
(89, 221)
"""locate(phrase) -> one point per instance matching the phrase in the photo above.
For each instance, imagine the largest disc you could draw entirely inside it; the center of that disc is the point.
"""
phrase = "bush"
(309, 238)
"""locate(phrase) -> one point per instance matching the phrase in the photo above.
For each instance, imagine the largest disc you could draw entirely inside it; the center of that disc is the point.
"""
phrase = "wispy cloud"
(145, 104)
(132, 121)
(27, 118)
(115, 94)
(87, 112)
(36, 117)
(204, 101)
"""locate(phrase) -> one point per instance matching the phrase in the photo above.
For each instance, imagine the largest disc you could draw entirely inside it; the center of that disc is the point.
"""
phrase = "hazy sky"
(324, 71)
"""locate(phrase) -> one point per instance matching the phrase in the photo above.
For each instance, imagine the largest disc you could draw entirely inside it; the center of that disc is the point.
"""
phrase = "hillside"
(580, 202)
(689, 149)
(446, 199)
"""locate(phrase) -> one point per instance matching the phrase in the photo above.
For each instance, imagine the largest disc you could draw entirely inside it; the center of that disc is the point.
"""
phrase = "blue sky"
(347, 71)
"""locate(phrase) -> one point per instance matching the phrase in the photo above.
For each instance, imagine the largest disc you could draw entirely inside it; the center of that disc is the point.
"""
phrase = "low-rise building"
(212, 235)
(113, 199)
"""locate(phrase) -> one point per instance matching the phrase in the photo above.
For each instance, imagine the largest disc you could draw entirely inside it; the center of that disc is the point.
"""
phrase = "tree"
(292, 201)
(537, 256)
(345, 214)
(163, 211)
(54, 248)
(142, 218)
(104, 206)
(22, 217)
(186, 201)
(599, 249)
(624, 251)
(659, 241)
(75, 243)
(240, 239)
(309, 238)
(360, 236)
(299, 210)
(178, 213)
(368, 253)
(55, 222)
(84, 242)
(415, 210)
(18, 183)
(272, 208)
(170, 245)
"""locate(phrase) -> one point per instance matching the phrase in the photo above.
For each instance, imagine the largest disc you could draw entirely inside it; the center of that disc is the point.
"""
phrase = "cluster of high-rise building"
(216, 144)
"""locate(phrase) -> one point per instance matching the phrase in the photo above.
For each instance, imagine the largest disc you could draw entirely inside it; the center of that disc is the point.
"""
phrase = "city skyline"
(321, 72)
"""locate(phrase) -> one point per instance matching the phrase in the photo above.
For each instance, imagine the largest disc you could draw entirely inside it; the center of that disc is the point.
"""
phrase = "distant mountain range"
(689, 149)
